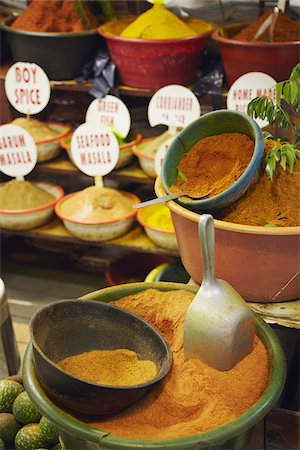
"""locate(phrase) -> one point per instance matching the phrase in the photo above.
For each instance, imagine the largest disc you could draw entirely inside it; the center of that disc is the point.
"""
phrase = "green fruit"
(29, 437)
(48, 430)
(2, 445)
(24, 410)
(8, 429)
(9, 390)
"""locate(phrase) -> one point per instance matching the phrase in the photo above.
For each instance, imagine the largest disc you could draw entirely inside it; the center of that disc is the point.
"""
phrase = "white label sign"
(94, 149)
(112, 112)
(161, 153)
(174, 106)
(246, 88)
(27, 87)
(18, 153)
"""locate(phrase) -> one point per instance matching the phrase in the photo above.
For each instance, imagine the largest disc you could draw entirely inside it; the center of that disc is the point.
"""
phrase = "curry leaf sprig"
(277, 111)
(264, 107)
(282, 152)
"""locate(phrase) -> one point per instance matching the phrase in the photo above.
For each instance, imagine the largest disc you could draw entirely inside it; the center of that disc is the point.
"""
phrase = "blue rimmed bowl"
(212, 124)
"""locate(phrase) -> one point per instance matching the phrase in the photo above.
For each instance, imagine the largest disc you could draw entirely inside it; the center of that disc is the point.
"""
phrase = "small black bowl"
(71, 327)
(61, 55)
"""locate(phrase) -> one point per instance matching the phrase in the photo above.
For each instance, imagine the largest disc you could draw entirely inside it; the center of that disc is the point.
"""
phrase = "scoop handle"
(206, 229)
(157, 200)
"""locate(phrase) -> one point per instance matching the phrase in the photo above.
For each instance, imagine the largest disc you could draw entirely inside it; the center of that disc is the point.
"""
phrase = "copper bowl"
(262, 263)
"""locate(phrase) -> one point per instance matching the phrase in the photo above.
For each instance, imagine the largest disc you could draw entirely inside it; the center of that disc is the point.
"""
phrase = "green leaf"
(278, 88)
(295, 91)
(267, 135)
(287, 93)
(181, 175)
(283, 162)
(295, 74)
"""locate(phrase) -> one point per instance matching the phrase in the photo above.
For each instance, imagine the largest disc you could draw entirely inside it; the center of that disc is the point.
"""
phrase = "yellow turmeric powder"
(159, 216)
(194, 397)
(120, 367)
(159, 23)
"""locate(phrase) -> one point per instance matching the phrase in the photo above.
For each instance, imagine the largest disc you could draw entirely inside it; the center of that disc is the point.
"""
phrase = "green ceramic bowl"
(75, 434)
(211, 124)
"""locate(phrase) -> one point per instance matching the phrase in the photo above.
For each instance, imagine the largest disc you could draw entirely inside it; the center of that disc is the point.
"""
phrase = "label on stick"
(27, 87)
(246, 88)
(112, 112)
(18, 153)
(174, 106)
(95, 149)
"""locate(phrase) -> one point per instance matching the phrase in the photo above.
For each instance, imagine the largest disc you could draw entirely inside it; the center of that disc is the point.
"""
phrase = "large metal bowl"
(71, 327)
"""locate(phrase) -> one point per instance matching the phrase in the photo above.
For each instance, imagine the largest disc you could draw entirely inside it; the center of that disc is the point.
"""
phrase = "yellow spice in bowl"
(97, 204)
(21, 194)
(119, 367)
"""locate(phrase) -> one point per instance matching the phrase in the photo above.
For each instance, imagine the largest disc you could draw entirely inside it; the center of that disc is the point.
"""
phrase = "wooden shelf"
(135, 240)
(63, 166)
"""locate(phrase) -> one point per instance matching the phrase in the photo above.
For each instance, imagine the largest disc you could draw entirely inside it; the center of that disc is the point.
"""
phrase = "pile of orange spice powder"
(194, 397)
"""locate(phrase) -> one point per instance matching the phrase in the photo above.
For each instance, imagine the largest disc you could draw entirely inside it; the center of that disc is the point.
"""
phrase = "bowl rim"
(223, 225)
(115, 37)
(144, 224)
(58, 188)
(256, 44)
(62, 134)
(220, 434)
(140, 154)
(161, 373)
(107, 222)
(136, 141)
(256, 157)
(55, 34)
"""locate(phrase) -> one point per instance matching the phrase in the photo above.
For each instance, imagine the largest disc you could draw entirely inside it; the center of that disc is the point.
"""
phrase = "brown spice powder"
(286, 29)
(269, 202)
(214, 163)
(52, 16)
(194, 397)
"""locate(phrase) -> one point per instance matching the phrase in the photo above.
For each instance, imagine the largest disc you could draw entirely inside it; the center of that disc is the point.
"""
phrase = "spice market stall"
(99, 113)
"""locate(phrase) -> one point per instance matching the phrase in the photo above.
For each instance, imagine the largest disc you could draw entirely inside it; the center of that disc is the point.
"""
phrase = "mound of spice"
(160, 23)
(286, 29)
(21, 194)
(37, 129)
(269, 202)
(194, 397)
(56, 16)
(213, 164)
(120, 367)
(97, 204)
(159, 216)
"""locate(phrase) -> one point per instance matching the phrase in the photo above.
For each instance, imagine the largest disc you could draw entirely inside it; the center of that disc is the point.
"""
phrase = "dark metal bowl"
(70, 327)
(61, 55)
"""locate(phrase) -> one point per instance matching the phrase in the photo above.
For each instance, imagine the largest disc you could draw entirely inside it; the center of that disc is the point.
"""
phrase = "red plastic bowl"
(152, 64)
(276, 59)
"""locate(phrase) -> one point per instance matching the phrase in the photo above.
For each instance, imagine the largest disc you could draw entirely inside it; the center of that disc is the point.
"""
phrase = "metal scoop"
(168, 197)
(269, 23)
(219, 325)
